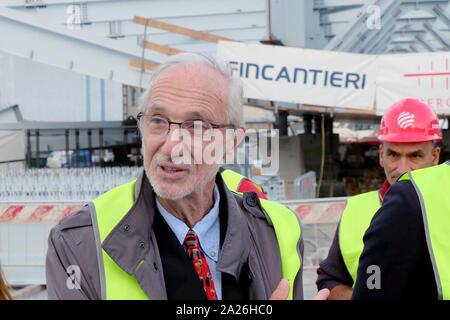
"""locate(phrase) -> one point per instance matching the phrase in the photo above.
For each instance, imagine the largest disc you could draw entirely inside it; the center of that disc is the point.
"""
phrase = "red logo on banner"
(430, 75)
(429, 78)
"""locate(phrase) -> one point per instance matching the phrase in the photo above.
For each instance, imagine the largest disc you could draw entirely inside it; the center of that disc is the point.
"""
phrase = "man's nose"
(173, 139)
(404, 165)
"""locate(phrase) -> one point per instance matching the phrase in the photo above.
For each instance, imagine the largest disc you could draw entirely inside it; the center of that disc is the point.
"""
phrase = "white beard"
(196, 184)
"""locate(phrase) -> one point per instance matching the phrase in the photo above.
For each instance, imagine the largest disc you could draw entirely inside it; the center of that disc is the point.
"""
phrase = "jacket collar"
(130, 241)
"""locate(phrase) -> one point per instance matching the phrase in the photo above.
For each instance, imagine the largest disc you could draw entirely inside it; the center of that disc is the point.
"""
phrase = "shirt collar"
(207, 229)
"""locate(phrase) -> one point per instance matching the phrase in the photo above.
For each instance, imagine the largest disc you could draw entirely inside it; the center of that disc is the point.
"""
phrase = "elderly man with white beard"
(177, 232)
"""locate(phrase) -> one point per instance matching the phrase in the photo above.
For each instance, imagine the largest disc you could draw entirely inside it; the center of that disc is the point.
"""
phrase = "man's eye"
(195, 125)
(201, 125)
(157, 121)
(189, 125)
(392, 155)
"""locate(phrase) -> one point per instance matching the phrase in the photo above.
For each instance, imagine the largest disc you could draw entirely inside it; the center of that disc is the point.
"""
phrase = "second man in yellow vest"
(409, 133)
(406, 252)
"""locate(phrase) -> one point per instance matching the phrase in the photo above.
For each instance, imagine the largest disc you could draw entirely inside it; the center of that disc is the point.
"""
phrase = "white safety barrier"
(24, 230)
(318, 211)
(319, 218)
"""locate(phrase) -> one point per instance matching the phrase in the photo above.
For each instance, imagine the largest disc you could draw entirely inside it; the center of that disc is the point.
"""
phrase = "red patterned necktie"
(200, 264)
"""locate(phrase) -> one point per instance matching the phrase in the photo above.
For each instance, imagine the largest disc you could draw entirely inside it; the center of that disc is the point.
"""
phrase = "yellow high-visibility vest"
(355, 220)
(432, 186)
(109, 209)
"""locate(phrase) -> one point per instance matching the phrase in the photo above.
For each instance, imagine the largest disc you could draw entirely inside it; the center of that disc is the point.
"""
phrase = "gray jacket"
(250, 238)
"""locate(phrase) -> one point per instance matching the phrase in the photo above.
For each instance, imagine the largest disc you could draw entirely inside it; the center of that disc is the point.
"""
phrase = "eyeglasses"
(158, 125)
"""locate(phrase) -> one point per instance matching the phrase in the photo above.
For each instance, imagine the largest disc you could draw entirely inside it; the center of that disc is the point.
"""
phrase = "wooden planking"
(161, 48)
(180, 30)
(147, 65)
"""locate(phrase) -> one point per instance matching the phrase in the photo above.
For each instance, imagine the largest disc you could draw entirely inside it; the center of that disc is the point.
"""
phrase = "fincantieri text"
(315, 77)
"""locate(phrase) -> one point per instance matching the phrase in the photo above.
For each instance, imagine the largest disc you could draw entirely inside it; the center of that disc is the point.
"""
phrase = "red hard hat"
(410, 120)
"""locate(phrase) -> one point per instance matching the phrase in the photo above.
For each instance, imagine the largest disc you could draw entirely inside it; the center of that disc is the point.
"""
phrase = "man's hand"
(341, 292)
(282, 291)
(322, 295)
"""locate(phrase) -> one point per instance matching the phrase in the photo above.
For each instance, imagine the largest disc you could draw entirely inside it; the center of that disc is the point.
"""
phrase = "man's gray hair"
(235, 112)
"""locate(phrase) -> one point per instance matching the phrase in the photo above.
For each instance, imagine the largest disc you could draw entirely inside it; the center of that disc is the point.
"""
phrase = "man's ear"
(436, 152)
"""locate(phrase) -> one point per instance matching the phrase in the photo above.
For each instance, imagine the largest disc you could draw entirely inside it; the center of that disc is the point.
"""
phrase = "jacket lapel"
(133, 247)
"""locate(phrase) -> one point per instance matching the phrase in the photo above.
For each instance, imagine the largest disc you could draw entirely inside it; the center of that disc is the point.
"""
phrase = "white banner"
(422, 76)
(306, 76)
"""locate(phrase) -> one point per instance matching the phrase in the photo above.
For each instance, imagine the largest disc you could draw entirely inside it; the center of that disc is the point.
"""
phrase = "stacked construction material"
(62, 184)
